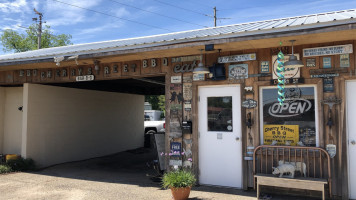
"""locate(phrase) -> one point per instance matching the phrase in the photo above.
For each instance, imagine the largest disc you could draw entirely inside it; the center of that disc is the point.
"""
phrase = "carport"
(61, 122)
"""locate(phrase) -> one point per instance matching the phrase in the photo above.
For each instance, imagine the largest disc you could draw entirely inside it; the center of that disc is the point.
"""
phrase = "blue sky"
(100, 20)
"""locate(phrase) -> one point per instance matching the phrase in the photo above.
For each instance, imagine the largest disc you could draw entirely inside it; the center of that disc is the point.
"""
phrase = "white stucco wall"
(65, 124)
(2, 104)
(12, 123)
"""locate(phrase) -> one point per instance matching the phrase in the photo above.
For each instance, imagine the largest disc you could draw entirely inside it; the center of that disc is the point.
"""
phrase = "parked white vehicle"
(152, 125)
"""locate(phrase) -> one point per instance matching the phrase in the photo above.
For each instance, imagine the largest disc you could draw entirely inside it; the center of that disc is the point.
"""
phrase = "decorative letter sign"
(237, 58)
(329, 50)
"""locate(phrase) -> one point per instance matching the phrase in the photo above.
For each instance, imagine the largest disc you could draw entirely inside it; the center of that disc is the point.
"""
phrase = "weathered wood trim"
(320, 112)
(167, 106)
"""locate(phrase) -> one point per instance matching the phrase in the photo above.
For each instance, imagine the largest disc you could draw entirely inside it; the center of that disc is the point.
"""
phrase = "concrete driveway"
(121, 176)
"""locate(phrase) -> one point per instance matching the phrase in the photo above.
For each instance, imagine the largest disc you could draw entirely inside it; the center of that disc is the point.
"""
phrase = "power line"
(252, 7)
(157, 14)
(129, 20)
(184, 8)
(200, 4)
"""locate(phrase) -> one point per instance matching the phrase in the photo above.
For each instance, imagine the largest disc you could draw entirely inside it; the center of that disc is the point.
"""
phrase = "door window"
(220, 114)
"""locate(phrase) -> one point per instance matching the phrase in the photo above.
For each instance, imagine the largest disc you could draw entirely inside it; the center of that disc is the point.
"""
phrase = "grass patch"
(5, 169)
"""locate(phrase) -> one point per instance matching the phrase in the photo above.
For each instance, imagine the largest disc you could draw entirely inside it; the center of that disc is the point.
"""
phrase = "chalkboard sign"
(160, 146)
(328, 84)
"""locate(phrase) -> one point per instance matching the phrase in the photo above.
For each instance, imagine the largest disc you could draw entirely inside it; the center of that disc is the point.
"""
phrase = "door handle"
(353, 142)
(237, 138)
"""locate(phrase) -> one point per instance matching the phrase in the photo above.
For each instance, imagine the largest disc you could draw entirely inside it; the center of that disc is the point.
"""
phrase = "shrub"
(5, 169)
(21, 164)
(178, 179)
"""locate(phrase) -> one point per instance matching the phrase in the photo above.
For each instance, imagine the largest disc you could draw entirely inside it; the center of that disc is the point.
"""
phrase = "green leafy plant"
(5, 169)
(21, 164)
(178, 179)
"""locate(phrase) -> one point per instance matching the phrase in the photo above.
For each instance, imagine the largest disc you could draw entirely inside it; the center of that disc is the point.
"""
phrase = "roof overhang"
(329, 32)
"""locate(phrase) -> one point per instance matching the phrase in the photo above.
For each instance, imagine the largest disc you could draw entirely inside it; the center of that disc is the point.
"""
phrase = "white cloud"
(17, 6)
(64, 14)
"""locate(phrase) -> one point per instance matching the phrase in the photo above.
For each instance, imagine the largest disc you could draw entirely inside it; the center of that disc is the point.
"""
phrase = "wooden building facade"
(217, 119)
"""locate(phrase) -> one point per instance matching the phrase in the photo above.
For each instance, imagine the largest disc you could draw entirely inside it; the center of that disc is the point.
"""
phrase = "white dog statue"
(298, 166)
(284, 168)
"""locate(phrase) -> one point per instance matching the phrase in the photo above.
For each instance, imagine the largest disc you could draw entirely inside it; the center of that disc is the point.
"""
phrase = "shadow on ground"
(131, 167)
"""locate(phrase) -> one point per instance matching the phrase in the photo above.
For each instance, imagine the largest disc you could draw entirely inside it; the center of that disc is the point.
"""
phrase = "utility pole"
(39, 27)
(215, 16)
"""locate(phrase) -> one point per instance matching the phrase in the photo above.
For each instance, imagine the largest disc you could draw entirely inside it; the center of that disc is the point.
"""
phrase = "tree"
(20, 42)
(157, 101)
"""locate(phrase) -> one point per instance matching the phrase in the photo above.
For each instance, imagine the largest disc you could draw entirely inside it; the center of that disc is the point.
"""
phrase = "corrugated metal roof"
(244, 29)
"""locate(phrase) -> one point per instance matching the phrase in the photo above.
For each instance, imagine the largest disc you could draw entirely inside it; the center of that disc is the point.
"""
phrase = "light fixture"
(201, 69)
(96, 65)
(293, 61)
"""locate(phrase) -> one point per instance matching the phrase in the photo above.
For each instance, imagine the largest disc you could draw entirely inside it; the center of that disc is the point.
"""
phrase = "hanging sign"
(85, 78)
(237, 58)
(290, 72)
(283, 134)
(329, 50)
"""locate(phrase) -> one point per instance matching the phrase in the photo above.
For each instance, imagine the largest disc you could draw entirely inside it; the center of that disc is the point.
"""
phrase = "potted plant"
(180, 182)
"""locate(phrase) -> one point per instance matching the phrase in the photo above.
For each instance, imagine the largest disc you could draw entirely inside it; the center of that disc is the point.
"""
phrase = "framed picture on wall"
(311, 62)
(326, 62)
(344, 60)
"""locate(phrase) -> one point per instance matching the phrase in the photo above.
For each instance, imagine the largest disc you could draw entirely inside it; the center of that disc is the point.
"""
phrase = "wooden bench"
(316, 160)
(300, 183)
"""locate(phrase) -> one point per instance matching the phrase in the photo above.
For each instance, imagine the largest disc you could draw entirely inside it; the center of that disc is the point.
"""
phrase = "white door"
(351, 131)
(220, 151)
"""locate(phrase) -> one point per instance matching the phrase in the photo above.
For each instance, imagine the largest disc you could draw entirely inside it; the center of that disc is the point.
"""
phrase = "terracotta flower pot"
(180, 193)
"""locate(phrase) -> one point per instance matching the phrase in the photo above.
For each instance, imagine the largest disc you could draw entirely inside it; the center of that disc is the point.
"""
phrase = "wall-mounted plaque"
(85, 78)
(264, 67)
(311, 62)
(288, 81)
(237, 58)
(344, 60)
(329, 50)
(291, 72)
(328, 84)
(176, 79)
(323, 75)
(327, 62)
(328, 71)
(185, 59)
(198, 77)
(239, 71)
(176, 148)
(249, 103)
